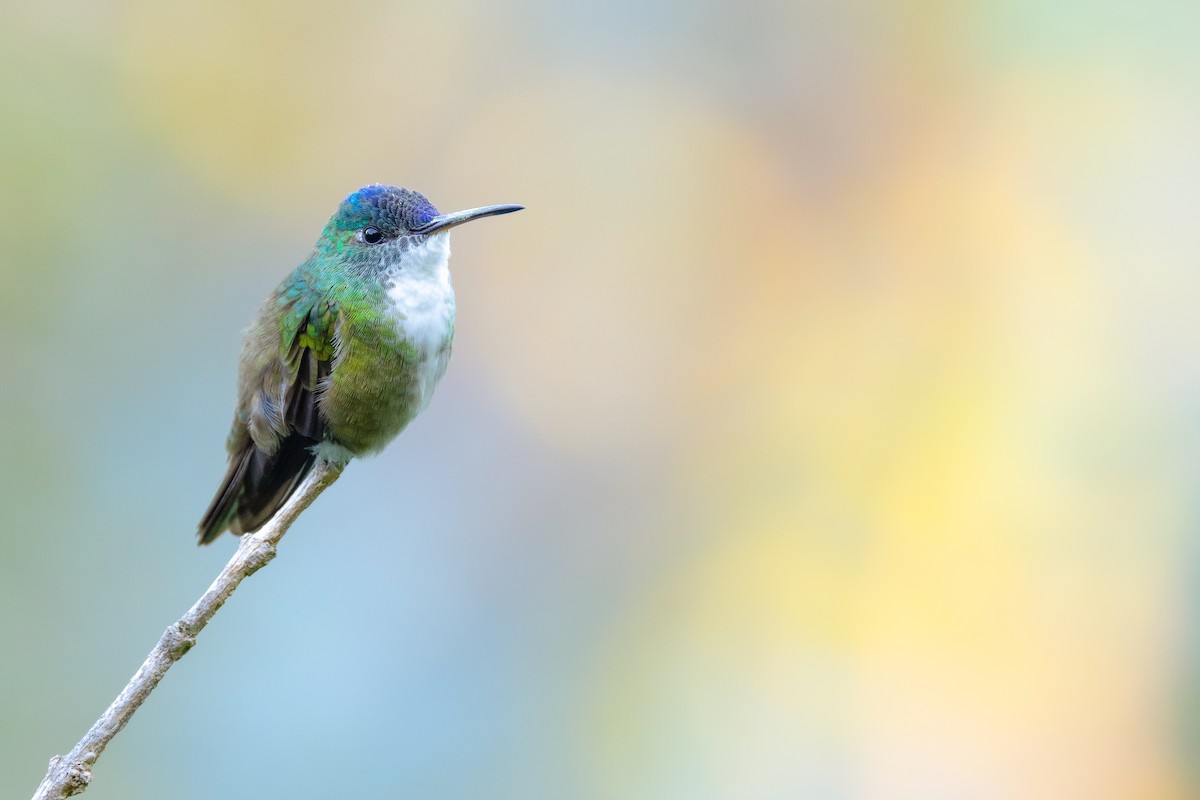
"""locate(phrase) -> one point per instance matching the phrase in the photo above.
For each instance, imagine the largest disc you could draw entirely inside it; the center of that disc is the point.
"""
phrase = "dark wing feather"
(264, 471)
(224, 505)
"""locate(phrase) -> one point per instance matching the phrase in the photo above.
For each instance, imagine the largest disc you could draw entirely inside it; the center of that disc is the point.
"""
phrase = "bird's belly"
(432, 354)
(423, 317)
(388, 371)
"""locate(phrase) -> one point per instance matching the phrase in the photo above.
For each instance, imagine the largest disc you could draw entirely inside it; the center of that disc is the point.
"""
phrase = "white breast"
(423, 301)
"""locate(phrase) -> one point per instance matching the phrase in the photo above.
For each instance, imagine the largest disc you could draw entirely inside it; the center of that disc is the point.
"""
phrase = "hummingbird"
(345, 352)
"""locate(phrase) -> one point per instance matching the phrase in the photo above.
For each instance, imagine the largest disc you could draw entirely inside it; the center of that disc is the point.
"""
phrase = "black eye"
(371, 235)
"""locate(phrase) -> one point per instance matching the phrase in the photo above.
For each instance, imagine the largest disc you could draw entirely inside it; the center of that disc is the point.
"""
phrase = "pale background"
(825, 428)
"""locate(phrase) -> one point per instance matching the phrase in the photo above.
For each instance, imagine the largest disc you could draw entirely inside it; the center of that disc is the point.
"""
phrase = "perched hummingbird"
(344, 354)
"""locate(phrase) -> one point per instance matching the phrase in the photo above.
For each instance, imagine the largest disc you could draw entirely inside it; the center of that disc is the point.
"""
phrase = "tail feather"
(224, 505)
(256, 485)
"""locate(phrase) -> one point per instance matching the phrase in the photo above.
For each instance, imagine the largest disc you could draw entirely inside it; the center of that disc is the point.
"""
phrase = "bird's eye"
(371, 235)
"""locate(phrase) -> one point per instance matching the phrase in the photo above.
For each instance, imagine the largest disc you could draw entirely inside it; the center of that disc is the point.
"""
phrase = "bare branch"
(70, 774)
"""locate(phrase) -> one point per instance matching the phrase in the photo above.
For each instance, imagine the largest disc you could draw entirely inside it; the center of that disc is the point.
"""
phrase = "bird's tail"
(256, 485)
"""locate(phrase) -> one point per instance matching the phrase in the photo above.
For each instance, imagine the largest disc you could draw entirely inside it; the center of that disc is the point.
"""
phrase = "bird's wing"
(279, 419)
(309, 339)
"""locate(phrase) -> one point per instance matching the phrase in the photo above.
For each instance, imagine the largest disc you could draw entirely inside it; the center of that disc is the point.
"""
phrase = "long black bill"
(443, 222)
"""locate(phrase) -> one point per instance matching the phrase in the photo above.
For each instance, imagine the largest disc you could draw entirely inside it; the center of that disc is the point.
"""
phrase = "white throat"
(423, 302)
(429, 258)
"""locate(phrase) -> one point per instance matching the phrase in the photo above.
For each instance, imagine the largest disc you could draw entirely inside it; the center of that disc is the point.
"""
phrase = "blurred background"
(825, 428)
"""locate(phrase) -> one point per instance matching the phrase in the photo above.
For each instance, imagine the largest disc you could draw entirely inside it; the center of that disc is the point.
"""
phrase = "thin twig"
(70, 774)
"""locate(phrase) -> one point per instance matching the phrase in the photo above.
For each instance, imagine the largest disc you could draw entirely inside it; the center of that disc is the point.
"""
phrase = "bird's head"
(379, 222)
